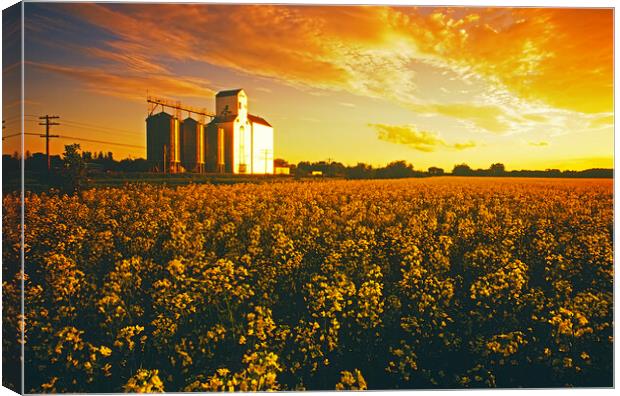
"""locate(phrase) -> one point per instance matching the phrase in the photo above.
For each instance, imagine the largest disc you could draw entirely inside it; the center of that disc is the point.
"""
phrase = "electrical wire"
(78, 139)
(19, 133)
(100, 141)
(93, 126)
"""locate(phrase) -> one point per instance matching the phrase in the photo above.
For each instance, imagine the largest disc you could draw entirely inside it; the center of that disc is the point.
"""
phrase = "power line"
(266, 153)
(100, 141)
(83, 125)
(13, 135)
(16, 117)
(19, 117)
(75, 124)
(80, 139)
(105, 129)
(19, 133)
(47, 135)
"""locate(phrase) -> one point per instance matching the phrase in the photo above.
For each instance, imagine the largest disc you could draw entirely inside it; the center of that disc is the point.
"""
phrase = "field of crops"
(434, 283)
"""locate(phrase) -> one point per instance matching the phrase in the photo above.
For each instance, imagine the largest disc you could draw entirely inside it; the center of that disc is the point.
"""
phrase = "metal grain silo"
(175, 146)
(215, 150)
(192, 145)
(163, 149)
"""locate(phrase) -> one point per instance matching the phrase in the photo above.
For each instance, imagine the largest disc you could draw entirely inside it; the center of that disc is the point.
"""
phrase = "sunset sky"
(531, 88)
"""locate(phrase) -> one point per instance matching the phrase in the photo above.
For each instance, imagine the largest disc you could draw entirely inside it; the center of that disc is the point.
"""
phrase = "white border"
(480, 3)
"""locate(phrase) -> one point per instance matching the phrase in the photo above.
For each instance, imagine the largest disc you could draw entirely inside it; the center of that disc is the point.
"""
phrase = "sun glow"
(483, 82)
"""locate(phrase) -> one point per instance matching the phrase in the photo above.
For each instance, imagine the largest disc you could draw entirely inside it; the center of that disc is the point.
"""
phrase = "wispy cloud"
(540, 54)
(521, 69)
(464, 146)
(491, 118)
(131, 86)
(539, 144)
(603, 120)
(411, 136)
(128, 56)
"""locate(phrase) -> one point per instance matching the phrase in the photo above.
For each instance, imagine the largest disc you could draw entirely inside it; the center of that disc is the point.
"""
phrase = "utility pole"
(47, 136)
(266, 154)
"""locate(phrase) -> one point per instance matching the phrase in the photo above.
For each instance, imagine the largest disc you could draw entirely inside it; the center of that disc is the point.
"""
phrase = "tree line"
(403, 169)
(37, 162)
(105, 163)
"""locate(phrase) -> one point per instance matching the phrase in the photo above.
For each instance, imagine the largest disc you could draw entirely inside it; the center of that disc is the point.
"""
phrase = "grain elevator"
(163, 149)
(233, 141)
(193, 145)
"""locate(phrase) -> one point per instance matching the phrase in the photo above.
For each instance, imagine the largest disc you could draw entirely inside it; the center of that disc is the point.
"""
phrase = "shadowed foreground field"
(435, 283)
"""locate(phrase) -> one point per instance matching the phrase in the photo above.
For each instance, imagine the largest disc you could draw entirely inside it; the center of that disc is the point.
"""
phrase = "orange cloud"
(416, 139)
(130, 86)
(561, 56)
(125, 54)
(524, 68)
(265, 40)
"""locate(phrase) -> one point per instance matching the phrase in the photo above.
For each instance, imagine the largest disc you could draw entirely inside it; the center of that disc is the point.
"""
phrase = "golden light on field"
(436, 86)
(384, 284)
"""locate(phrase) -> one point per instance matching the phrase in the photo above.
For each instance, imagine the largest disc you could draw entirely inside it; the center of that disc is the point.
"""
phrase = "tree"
(497, 169)
(335, 169)
(434, 171)
(303, 169)
(74, 169)
(396, 170)
(9, 163)
(461, 170)
(360, 171)
(279, 162)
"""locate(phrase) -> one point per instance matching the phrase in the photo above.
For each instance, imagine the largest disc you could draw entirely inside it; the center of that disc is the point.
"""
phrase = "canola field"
(402, 284)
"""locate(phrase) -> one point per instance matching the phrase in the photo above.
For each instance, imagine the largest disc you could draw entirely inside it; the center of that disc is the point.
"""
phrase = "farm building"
(282, 170)
(163, 142)
(247, 139)
(234, 141)
(192, 143)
